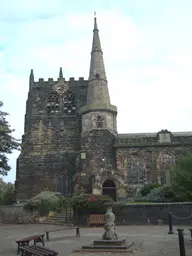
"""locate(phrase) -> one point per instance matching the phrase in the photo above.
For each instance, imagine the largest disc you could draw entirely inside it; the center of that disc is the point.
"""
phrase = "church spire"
(60, 73)
(97, 68)
(98, 113)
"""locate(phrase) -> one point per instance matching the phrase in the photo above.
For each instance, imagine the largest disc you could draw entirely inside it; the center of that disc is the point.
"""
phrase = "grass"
(133, 202)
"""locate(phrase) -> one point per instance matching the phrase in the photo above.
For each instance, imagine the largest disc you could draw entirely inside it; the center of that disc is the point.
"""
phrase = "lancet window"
(99, 121)
(63, 185)
(165, 162)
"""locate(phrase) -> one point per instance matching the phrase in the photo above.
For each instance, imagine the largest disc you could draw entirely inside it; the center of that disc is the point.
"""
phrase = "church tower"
(99, 127)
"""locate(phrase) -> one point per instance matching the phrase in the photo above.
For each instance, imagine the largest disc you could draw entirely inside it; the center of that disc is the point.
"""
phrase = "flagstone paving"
(155, 240)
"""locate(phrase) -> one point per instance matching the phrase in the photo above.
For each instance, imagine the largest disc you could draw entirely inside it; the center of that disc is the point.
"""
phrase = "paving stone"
(156, 241)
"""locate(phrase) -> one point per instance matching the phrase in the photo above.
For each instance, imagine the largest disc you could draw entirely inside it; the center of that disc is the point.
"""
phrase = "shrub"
(88, 203)
(47, 201)
(161, 194)
(146, 189)
(155, 195)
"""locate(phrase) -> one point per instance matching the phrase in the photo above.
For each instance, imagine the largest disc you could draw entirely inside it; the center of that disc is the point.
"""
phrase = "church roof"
(152, 134)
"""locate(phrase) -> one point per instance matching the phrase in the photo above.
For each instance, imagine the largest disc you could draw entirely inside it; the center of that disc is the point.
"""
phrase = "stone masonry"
(71, 143)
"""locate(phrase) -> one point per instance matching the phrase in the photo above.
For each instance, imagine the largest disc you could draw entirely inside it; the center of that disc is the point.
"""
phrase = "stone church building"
(71, 142)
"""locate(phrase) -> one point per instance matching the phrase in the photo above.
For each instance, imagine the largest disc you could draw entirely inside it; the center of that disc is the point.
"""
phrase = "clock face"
(61, 87)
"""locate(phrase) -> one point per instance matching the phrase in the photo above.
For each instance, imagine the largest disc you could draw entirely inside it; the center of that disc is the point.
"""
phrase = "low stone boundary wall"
(146, 214)
(15, 214)
(151, 213)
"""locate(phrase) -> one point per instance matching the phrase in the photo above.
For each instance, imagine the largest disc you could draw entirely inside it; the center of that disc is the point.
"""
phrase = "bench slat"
(39, 251)
(25, 241)
(59, 229)
(43, 249)
(96, 219)
(28, 249)
(30, 238)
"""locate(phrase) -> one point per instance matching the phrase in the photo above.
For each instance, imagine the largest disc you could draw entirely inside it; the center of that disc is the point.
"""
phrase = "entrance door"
(109, 189)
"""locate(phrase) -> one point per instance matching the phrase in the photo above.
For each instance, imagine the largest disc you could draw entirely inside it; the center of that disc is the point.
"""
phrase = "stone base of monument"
(111, 246)
(110, 241)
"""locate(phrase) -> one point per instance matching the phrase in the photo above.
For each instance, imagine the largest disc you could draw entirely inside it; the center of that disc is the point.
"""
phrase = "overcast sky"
(147, 47)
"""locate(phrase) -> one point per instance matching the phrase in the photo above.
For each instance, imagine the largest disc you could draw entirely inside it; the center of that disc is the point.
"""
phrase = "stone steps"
(63, 218)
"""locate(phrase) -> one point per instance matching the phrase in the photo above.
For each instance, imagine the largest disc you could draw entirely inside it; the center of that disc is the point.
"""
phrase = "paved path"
(155, 239)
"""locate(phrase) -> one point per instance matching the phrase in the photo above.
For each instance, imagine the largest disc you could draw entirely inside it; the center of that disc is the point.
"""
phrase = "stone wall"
(15, 214)
(151, 213)
(52, 136)
(99, 163)
(149, 164)
(146, 214)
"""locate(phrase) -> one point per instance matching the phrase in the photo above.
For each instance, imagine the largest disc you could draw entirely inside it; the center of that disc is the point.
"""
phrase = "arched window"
(69, 103)
(53, 97)
(59, 184)
(53, 103)
(66, 185)
(136, 170)
(99, 121)
(63, 185)
(165, 161)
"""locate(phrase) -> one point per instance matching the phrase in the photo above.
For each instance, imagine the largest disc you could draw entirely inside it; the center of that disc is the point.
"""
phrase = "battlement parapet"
(51, 81)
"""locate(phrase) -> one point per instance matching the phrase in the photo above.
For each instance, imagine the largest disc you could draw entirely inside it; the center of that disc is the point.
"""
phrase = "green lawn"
(123, 202)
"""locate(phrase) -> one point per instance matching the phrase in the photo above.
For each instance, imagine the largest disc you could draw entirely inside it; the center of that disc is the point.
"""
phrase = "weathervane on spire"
(94, 14)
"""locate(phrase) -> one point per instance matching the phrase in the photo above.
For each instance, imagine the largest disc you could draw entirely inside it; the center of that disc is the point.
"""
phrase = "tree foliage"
(148, 187)
(7, 142)
(7, 195)
(181, 177)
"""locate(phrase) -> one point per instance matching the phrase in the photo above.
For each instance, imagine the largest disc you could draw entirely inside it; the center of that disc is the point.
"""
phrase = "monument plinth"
(110, 241)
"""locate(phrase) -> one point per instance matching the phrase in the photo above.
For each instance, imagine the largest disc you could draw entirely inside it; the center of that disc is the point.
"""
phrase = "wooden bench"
(37, 250)
(25, 241)
(96, 219)
(60, 229)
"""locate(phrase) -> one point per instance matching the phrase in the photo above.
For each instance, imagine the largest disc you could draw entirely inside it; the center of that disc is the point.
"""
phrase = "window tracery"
(53, 103)
(69, 103)
(99, 121)
(136, 170)
(63, 184)
(165, 162)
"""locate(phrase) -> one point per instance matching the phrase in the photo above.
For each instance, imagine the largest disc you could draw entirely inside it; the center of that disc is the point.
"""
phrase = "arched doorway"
(109, 189)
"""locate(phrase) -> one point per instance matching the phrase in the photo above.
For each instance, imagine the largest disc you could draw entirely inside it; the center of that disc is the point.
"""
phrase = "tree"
(7, 195)
(7, 142)
(181, 176)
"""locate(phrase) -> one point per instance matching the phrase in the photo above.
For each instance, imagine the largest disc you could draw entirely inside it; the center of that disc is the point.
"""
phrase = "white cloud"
(147, 68)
